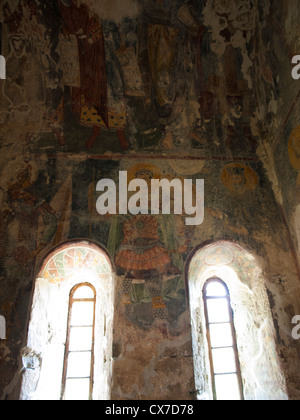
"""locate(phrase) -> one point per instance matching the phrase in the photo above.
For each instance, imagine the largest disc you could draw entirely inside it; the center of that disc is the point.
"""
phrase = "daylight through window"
(225, 368)
(79, 355)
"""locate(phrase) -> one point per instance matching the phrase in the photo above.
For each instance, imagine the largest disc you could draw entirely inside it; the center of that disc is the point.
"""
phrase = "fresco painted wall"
(278, 99)
(164, 87)
(167, 75)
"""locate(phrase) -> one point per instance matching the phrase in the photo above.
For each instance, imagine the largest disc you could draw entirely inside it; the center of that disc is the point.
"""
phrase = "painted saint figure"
(165, 57)
(145, 252)
(91, 100)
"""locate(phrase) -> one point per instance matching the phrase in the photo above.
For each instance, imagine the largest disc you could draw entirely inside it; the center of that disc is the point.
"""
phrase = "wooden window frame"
(234, 346)
(72, 300)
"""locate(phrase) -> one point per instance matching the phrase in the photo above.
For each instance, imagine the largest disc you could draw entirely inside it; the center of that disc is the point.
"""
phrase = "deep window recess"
(223, 352)
(78, 374)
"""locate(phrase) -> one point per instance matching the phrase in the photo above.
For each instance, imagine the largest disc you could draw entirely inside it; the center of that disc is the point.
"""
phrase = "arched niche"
(255, 333)
(66, 267)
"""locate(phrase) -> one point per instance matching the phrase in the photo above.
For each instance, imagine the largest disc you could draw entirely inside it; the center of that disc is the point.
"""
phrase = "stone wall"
(170, 89)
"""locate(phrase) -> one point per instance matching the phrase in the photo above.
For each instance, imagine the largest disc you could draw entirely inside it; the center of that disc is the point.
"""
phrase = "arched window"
(223, 352)
(78, 375)
(70, 334)
(234, 339)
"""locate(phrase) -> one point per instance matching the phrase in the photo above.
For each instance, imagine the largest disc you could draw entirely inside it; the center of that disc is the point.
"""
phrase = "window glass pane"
(218, 310)
(221, 335)
(84, 292)
(227, 387)
(81, 338)
(224, 360)
(82, 313)
(77, 389)
(215, 288)
(79, 365)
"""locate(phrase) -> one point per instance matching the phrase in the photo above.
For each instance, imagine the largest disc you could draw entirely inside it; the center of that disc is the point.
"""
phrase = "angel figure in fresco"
(98, 99)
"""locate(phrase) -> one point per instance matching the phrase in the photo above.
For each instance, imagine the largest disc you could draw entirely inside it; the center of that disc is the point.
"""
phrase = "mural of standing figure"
(146, 256)
(165, 56)
(92, 101)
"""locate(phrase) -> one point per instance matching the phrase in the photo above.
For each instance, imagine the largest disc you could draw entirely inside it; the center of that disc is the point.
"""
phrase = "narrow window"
(78, 374)
(223, 352)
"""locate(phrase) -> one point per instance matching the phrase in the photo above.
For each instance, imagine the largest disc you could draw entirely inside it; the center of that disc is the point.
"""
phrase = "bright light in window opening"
(227, 382)
(79, 355)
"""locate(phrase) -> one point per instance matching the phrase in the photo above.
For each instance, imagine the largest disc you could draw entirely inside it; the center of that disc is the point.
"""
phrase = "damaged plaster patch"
(5, 353)
(114, 9)
(246, 68)
(216, 25)
(297, 226)
(266, 155)
(240, 18)
(273, 104)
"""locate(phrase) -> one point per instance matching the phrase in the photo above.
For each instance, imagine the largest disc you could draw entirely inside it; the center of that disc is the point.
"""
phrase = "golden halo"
(132, 172)
(251, 178)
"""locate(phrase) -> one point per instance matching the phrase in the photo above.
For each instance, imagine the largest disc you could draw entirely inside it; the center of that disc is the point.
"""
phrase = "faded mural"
(160, 89)
(91, 83)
